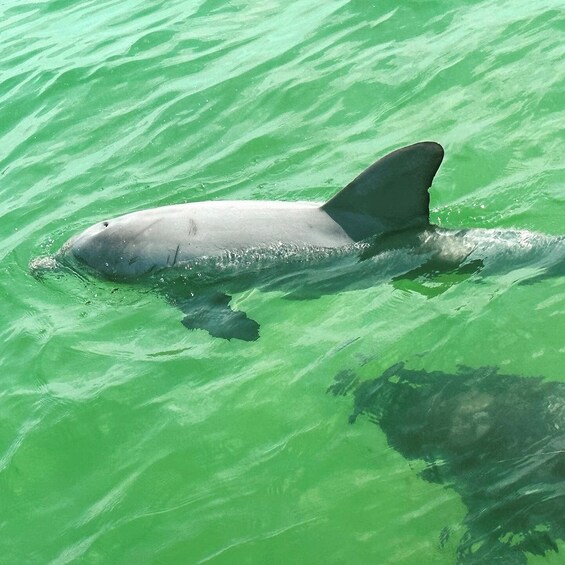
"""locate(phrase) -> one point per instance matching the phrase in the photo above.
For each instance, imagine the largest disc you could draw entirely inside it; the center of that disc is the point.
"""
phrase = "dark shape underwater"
(497, 440)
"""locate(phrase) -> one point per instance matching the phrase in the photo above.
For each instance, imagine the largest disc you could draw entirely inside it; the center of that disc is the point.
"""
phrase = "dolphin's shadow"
(497, 440)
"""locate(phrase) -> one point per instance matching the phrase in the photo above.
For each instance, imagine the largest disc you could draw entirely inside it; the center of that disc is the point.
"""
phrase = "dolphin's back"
(210, 228)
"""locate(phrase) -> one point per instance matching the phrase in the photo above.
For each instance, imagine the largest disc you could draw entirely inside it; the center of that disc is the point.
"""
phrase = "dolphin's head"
(111, 248)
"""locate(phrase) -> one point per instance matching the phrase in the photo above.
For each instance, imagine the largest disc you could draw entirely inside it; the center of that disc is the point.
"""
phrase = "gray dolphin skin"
(375, 229)
(390, 195)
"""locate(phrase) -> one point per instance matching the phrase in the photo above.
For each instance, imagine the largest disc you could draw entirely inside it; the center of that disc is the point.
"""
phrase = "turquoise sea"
(126, 438)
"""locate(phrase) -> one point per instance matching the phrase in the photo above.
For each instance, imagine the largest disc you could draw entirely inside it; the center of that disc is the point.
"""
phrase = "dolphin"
(384, 209)
(390, 195)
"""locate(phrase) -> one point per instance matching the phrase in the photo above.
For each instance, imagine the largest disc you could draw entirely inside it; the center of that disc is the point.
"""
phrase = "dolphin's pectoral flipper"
(211, 312)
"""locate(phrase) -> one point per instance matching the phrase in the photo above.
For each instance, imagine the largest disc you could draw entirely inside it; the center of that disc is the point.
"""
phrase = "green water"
(124, 437)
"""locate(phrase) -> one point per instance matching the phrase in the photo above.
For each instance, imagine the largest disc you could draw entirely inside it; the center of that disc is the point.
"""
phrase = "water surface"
(125, 437)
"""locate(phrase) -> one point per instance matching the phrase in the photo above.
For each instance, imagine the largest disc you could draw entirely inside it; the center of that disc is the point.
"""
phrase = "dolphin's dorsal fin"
(392, 194)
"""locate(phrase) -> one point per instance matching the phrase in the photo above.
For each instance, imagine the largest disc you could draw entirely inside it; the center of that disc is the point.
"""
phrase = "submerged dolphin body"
(381, 217)
(497, 440)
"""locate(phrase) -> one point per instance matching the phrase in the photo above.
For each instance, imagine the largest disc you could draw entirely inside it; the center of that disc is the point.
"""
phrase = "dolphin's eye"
(105, 224)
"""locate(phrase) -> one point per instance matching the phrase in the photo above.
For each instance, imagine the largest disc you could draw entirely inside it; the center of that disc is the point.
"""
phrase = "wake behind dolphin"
(195, 253)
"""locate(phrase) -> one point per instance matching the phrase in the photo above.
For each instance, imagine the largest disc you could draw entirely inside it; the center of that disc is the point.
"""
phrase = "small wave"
(39, 266)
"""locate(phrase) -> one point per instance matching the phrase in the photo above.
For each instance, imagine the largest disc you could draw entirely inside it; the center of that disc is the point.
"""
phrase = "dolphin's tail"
(392, 194)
